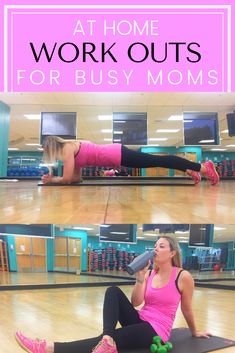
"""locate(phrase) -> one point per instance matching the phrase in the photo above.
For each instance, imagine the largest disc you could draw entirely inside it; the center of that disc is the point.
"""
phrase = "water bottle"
(140, 262)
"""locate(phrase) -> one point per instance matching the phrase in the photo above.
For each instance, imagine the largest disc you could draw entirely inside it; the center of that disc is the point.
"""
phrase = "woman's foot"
(194, 175)
(104, 347)
(30, 345)
(210, 172)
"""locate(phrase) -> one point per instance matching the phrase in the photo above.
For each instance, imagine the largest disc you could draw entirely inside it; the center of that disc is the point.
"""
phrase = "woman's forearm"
(137, 296)
(189, 317)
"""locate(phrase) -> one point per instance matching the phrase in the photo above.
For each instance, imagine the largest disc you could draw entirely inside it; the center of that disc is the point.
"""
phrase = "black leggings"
(134, 332)
(134, 159)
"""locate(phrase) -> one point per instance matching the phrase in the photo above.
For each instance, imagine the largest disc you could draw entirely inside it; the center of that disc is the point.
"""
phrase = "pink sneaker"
(31, 346)
(211, 172)
(104, 347)
(196, 177)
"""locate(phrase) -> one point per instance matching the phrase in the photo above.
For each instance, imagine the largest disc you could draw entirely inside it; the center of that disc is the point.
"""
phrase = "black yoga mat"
(127, 181)
(183, 342)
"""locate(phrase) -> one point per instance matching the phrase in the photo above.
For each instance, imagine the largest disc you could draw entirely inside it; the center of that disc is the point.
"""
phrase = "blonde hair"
(52, 149)
(174, 246)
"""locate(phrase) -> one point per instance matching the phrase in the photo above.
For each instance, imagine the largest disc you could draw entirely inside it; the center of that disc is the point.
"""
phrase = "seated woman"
(78, 154)
(158, 291)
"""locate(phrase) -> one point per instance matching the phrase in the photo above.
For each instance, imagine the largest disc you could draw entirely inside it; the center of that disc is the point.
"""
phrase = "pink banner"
(117, 48)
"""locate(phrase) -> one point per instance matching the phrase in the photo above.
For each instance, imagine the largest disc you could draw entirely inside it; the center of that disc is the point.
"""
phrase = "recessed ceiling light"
(176, 117)
(108, 140)
(106, 131)
(168, 130)
(157, 139)
(219, 228)
(206, 141)
(33, 116)
(230, 145)
(32, 144)
(218, 149)
(13, 149)
(105, 117)
(224, 132)
(83, 228)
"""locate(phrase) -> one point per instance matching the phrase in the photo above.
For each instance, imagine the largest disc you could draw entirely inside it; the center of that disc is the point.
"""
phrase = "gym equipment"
(183, 342)
(140, 262)
(158, 347)
(128, 181)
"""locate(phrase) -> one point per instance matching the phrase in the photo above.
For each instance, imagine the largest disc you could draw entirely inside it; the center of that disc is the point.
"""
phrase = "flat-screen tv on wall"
(200, 129)
(130, 128)
(201, 235)
(42, 230)
(231, 123)
(118, 233)
(58, 124)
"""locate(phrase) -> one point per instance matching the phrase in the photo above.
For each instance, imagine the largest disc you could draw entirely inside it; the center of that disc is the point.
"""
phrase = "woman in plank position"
(78, 154)
(159, 291)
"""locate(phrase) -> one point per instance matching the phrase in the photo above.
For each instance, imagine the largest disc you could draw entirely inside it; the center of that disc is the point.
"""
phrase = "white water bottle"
(140, 262)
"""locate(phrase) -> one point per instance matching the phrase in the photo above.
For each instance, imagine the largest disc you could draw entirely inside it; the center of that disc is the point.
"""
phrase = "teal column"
(4, 135)
(11, 252)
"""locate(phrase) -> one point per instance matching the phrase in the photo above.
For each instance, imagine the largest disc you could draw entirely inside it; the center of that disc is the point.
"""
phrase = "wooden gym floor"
(40, 278)
(76, 313)
(24, 202)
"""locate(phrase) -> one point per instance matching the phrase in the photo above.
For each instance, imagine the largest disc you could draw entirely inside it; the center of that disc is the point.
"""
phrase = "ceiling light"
(40, 149)
(218, 149)
(157, 139)
(105, 117)
(106, 131)
(224, 132)
(118, 232)
(168, 130)
(181, 232)
(33, 116)
(176, 117)
(118, 132)
(13, 149)
(182, 237)
(32, 144)
(117, 140)
(230, 145)
(108, 140)
(83, 228)
(219, 228)
(188, 121)
(206, 141)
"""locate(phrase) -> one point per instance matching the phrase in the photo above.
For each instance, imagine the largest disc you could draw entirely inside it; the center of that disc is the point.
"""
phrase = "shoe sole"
(215, 173)
(21, 345)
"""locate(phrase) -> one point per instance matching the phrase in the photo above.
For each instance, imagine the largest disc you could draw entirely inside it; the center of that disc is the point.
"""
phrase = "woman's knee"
(113, 290)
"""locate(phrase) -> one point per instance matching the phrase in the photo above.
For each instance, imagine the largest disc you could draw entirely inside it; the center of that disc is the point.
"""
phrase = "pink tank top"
(161, 305)
(92, 155)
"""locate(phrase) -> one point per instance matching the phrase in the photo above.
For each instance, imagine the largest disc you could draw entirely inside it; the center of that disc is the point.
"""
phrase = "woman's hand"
(140, 275)
(47, 178)
(202, 334)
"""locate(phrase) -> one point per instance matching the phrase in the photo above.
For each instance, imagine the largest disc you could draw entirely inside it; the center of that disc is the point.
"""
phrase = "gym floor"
(24, 201)
(36, 278)
(76, 313)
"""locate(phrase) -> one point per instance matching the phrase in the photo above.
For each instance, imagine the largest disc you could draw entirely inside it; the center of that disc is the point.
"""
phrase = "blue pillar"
(4, 135)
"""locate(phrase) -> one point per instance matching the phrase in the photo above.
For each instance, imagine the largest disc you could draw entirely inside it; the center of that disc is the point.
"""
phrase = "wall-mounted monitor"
(41, 230)
(200, 129)
(201, 235)
(231, 124)
(130, 128)
(118, 233)
(59, 124)
(165, 228)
